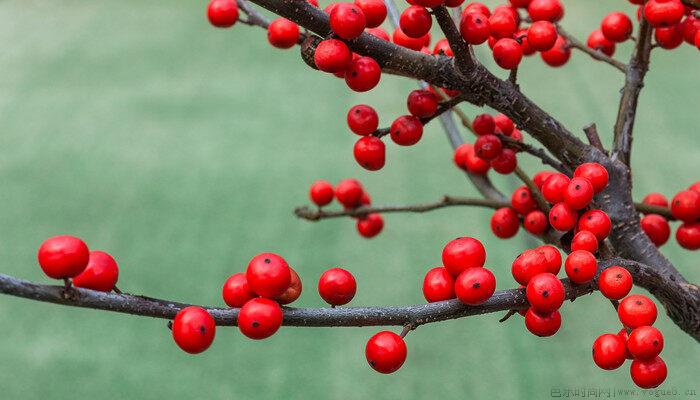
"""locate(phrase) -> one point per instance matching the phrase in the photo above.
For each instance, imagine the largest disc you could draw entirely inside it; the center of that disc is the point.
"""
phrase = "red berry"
(463, 253)
(584, 240)
(616, 26)
(502, 24)
(648, 374)
(488, 147)
(504, 123)
(443, 47)
(100, 274)
(540, 177)
(374, 11)
(529, 264)
(332, 55)
(685, 205)
(386, 352)
(522, 200)
(475, 28)
(474, 164)
(661, 13)
(657, 228)
(370, 152)
(222, 13)
(596, 174)
(415, 21)
(283, 33)
(624, 336)
(545, 293)
(475, 285)
(349, 193)
(484, 124)
(688, 235)
(609, 351)
(562, 217)
(422, 103)
(545, 10)
(260, 318)
(347, 20)
(406, 130)
(557, 55)
(553, 187)
(505, 223)
(337, 286)
(615, 283)
(401, 39)
(552, 258)
(453, 3)
(476, 7)
(690, 26)
(363, 74)
(669, 37)
(636, 310)
(505, 163)
(521, 37)
(656, 199)
(535, 222)
(645, 342)
(268, 275)
(507, 53)
(321, 193)
(379, 32)
(370, 226)
(520, 3)
(362, 119)
(580, 266)
(697, 39)
(598, 41)
(293, 291)
(236, 291)
(695, 187)
(193, 329)
(597, 222)
(438, 285)
(542, 325)
(63, 256)
(578, 193)
(542, 35)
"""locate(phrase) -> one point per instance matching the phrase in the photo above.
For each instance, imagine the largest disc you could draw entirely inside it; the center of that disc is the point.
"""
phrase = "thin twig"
(442, 108)
(541, 202)
(591, 131)
(535, 151)
(596, 54)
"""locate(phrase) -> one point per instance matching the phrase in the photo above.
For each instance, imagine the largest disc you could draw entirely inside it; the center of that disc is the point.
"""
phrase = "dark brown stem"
(535, 151)
(459, 47)
(591, 131)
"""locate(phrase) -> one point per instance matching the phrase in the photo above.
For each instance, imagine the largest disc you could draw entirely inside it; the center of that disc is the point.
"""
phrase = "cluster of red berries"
(350, 194)
(489, 151)
(406, 130)
(665, 16)
(462, 275)
(509, 41)
(267, 283)
(638, 340)
(685, 206)
(67, 257)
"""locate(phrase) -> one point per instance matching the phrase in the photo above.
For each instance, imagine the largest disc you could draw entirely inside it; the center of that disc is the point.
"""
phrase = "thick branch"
(447, 201)
(596, 54)
(634, 81)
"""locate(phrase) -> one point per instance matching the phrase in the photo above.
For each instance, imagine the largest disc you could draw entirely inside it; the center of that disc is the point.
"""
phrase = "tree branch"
(444, 107)
(591, 131)
(459, 47)
(634, 81)
(647, 209)
(537, 152)
(447, 201)
(596, 54)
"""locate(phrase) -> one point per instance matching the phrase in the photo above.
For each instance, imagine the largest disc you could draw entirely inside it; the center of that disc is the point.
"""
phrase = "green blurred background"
(182, 150)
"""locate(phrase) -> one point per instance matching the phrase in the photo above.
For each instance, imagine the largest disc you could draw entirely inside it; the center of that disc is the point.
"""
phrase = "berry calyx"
(63, 256)
(337, 286)
(101, 273)
(260, 318)
(193, 329)
(386, 352)
(268, 275)
(615, 282)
